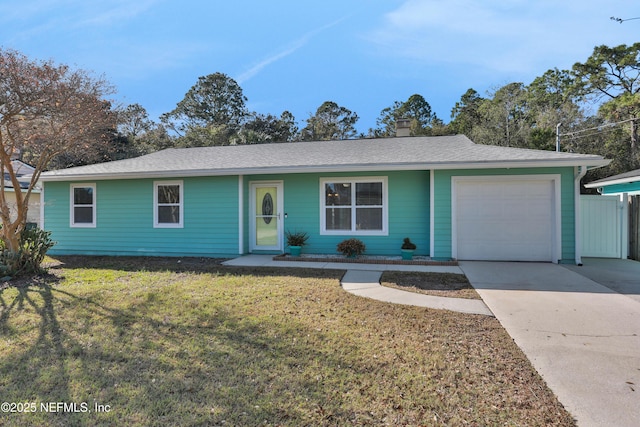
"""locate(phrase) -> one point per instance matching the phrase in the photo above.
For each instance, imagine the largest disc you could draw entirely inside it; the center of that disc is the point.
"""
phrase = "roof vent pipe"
(403, 127)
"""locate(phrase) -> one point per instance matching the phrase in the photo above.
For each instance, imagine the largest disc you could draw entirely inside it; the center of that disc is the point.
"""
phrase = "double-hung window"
(168, 201)
(83, 205)
(353, 206)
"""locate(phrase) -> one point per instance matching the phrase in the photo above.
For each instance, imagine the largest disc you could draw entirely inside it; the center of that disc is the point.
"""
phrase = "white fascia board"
(328, 168)
(627, 180)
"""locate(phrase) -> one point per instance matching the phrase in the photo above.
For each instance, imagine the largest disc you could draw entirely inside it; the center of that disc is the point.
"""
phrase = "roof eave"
(513, 164)
(605, 183)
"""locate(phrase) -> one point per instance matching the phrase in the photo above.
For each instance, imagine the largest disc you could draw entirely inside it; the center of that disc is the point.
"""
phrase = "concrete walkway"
(367, 284)
(364, 280)
(267, 261)
(581, 336)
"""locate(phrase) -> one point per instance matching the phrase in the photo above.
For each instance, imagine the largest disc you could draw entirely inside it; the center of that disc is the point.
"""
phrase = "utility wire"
(598, 128)
(573, 138)
(620, 20)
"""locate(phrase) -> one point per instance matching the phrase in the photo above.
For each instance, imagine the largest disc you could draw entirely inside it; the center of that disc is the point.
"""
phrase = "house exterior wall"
(213, 212)
(124, 219)
(124, 216)
(33, 214)
(443, 214)
(630, 187)
(408, 210)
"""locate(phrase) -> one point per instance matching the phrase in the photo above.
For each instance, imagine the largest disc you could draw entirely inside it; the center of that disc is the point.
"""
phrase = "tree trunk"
(634, 143)
(10, 237)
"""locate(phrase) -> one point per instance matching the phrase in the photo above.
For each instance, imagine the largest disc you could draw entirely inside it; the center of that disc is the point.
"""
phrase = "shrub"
(34, 244)
(297, 238)
(351, 247)
(407, 244)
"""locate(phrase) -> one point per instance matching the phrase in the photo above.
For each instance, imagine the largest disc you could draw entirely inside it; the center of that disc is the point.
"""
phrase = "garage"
(507, 218)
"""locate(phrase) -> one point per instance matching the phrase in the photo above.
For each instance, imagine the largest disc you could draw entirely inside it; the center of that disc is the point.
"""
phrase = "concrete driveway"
(579, 333)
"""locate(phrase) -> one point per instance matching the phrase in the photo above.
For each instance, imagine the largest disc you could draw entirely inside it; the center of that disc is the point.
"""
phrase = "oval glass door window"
(267, 208)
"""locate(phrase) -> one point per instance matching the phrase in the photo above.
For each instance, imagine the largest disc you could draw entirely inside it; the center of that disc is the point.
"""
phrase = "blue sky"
(294, 55)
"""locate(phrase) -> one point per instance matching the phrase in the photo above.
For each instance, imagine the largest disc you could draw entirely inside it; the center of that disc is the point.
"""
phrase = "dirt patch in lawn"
(439, 284)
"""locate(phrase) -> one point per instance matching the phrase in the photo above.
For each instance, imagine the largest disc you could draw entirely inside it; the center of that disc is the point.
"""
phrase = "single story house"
(455, 199)
(618, 185)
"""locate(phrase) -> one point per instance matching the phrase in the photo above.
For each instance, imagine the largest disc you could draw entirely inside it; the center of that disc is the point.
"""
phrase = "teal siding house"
(627, 183)
(453, 198)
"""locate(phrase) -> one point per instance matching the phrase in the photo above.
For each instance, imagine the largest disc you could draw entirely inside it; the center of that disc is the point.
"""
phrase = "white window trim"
(156, 223)
(72, 205)
(353, 181)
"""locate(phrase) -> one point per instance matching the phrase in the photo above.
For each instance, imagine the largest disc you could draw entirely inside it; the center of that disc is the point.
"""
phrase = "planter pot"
(407, 254)
(295, 250)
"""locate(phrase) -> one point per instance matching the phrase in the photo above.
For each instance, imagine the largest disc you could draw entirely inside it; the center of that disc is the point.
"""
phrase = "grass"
(193, 343)
(438, 284)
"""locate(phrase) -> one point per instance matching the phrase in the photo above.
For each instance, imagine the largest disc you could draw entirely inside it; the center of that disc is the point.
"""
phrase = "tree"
(505, 117)
(613, 74)
(45, 110)
(155, 139)
(465, 115)
(386, 122)
(261, 129)
(417, 110)
(133, 121)
(210, 113)
(330, 121)
(142, 135)
(552, 100)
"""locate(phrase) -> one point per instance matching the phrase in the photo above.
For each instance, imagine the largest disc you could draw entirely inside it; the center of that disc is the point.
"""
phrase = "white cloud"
(505, 37)
(46, 17)
(116, 11)
(286, 51)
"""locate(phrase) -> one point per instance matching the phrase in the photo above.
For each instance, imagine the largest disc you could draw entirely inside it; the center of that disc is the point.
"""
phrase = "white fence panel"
(601, 226)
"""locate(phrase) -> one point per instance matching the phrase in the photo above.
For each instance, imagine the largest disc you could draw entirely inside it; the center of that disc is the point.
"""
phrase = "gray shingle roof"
(442, 152)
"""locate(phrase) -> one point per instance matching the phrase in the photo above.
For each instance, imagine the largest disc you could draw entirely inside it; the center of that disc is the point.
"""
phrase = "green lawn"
(168, 343)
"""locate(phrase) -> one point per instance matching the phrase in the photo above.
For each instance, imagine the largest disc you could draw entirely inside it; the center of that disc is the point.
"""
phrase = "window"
(167, 202)
(353, 206)
(83, 205)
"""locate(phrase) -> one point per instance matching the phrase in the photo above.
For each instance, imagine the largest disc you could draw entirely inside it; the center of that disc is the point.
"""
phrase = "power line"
(588, 135)
(598, 128)
(620, 20)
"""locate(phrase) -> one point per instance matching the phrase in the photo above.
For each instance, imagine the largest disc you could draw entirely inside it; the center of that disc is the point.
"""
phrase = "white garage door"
(504, 218)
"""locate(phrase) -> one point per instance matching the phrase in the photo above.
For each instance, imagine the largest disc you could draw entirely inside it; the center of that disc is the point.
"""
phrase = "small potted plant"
(296, 241)
(407, 249)
(351, 247)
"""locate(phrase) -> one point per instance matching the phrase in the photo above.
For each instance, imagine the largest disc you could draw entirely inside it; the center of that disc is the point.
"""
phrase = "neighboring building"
(453, 198)
(622, 221)
(23, 172)
(625, 183)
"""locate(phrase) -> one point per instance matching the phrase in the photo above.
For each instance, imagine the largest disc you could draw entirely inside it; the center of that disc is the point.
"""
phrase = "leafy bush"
(298, 238)
(408, 245)
(34, 244)
(351, 247)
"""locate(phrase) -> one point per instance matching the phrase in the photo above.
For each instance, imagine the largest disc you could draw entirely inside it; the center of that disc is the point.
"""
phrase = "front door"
(266, 216)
